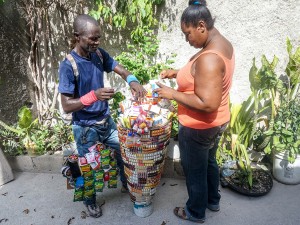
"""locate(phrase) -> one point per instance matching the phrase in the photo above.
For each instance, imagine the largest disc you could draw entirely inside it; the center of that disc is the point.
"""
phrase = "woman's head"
(196, 22)
(195, 12)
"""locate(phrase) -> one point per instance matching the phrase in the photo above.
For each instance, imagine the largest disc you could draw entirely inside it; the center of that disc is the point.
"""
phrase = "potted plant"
(285, 135)
(285, 143)
(245, 139)
(237, 171)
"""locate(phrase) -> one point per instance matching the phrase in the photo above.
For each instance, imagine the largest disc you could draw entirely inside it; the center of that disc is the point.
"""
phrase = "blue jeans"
(105, 133)
(198, 159)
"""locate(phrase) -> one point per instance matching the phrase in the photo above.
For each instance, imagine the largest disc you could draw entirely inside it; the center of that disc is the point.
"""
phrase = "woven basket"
(144, 163)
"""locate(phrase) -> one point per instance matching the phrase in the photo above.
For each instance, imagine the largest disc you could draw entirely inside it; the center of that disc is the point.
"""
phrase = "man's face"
(89, 39)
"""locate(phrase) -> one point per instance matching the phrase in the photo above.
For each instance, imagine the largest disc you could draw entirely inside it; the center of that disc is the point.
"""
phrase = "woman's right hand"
(168, 74)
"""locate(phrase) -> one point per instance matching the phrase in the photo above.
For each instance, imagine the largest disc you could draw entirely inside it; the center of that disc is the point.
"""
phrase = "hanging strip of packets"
(97, 170)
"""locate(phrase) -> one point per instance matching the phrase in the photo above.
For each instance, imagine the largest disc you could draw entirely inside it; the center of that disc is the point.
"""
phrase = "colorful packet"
(112, 183)
(78, 195)
(98, 175)
(99, 185)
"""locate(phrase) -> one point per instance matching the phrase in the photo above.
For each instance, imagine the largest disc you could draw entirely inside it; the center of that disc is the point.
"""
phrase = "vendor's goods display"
(144, 132)
(91, 173)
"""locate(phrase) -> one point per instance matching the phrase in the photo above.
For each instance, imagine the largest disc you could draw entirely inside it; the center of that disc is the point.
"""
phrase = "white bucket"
(285, 172)
(143, 210)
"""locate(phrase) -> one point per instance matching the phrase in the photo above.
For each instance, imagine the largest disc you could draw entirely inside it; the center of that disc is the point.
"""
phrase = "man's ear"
(76, 35)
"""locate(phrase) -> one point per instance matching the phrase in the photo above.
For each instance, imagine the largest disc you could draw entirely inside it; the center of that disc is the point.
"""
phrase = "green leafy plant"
(236, 138)
(138, 13)
(140, 58)
(28, 136)
(114, 105)
(22, 130)
(265, 85)
(285, 135)
(268, 120)
(286, 131)
(251, 120)
(292, 72)
(175, 123)
(140, 55)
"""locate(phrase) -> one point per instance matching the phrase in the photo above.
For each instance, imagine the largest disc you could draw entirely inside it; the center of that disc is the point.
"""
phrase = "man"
(86, 97)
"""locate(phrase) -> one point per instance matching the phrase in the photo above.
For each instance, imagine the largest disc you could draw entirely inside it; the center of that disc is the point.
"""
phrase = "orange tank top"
(202, 120)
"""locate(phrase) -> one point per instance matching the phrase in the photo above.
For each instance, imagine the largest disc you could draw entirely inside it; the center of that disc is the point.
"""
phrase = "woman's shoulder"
(226, 52)
(222, 47)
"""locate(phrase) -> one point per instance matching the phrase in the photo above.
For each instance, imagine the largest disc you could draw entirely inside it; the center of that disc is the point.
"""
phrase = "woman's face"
(193, 35)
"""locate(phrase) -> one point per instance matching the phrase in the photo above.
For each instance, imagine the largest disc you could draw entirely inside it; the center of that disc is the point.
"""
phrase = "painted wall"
(14, 83)
(255, 27)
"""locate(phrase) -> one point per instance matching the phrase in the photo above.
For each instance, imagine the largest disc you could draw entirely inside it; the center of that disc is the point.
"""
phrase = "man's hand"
(104, 94)
(138, 90)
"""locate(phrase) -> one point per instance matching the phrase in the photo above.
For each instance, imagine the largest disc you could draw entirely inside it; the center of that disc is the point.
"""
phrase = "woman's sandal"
(182, 214)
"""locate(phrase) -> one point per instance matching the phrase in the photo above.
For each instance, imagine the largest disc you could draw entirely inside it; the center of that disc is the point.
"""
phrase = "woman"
(203, 108)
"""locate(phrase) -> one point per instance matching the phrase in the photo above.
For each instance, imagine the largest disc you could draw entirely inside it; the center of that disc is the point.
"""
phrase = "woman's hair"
(195, 12)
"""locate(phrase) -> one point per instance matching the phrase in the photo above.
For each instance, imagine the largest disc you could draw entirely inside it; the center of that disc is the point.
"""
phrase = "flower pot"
(262, 182)
(285, 172)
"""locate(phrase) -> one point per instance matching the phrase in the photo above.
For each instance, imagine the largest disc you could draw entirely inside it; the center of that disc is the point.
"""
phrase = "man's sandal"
(182, 213)
(94, 210)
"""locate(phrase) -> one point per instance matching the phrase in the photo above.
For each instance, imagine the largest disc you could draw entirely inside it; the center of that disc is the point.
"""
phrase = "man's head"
(87, 33)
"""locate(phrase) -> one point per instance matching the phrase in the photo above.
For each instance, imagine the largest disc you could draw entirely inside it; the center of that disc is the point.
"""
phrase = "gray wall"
(14, 84)
(255, 27)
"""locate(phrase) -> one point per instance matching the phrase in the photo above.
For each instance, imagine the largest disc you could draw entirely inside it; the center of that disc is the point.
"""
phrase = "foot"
(214, 208)
(182, 214)
(94, 210)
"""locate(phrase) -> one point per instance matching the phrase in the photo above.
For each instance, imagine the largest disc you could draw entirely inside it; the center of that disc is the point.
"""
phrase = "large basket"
(144, 163)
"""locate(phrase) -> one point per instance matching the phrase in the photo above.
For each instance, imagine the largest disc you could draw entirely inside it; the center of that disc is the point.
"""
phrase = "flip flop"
(183, 214)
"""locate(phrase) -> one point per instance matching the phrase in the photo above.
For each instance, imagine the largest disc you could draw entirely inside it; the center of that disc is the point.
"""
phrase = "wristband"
(131, 78)
(89, 98)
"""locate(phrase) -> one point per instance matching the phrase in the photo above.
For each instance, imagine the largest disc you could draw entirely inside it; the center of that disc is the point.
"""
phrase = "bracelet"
(130, 78)
(89, 98)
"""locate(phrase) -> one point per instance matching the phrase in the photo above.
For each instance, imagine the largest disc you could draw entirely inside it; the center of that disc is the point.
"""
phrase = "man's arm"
(71, 104)
(134, 84)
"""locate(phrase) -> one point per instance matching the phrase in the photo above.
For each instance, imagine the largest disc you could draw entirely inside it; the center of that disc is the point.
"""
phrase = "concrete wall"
(16, 87)
(254, 27)
(14, 84)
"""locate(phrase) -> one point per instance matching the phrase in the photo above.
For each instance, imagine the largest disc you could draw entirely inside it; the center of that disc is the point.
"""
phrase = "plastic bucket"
(143, 210)
(285, 172)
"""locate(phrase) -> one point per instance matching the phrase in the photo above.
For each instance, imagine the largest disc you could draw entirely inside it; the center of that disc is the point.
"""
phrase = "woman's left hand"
(164, 91)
